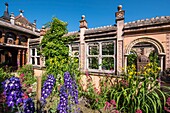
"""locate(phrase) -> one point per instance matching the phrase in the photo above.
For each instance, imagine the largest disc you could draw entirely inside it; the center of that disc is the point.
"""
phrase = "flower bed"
(135, 92)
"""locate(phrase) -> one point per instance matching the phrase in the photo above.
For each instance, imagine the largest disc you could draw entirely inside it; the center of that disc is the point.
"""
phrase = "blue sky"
(98, 12)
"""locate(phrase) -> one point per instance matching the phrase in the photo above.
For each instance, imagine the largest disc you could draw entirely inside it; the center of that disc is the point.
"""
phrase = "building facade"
(99, 50)
(106, 49)
(16, 35)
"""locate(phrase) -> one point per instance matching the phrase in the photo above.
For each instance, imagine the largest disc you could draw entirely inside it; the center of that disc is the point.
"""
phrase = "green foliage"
(140, 91)
(153, 57)
(97, 96)
(132, 91)
(28, 74)
(55, 49)
(132, 58)
(3, 76)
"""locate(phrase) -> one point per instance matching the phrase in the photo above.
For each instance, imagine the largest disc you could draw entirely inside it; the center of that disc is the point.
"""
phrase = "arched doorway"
(145, 45)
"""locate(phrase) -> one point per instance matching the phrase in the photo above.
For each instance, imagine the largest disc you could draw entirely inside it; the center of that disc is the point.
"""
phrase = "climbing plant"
(55, 47)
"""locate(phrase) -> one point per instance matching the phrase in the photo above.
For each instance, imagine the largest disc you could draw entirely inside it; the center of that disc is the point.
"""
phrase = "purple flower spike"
(68, 94)
(47, 88)
(28, 106)
(12, 91)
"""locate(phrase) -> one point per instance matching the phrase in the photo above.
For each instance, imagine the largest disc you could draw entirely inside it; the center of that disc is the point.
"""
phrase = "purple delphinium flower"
(75, 92)
(12, 91)
(68, 94)
(63, 104)
(47, 88)
(28, 106)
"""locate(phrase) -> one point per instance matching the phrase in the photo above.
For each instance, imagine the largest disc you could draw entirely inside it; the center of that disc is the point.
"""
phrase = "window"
(35, 57)
(101, 56)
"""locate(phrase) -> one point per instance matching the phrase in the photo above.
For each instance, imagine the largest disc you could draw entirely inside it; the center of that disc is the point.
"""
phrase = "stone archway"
(155, 43)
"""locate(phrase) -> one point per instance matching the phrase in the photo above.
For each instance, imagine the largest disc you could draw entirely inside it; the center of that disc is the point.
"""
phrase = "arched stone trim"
(10, 37)
(155, 43)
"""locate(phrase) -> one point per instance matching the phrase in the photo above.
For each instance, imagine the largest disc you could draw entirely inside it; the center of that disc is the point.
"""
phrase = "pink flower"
(25, 96)
(87, 73)
(113, 102)
(22, 75)
(107, 105)
(114, 111)
(97, 99)
(138, 111)
(29, 90)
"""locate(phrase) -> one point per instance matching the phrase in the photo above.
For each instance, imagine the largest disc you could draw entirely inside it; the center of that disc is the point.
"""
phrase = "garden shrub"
(55, 48)
(134, 92)
(27, 73)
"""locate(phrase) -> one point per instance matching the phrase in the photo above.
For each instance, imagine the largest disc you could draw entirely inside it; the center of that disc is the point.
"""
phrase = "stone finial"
(21, 12)
(83, 17)
(6, 4)
(83, 22)
(43, 31)
(119, 8)
(35, 21)
(120, 13)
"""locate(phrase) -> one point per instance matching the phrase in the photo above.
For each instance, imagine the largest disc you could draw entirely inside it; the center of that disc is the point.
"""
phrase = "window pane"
(93, 63)
(107, 48)
(33, 52)
(108, 63)
(38, 60)
(75, 50)
(94, 49)
(33, 60)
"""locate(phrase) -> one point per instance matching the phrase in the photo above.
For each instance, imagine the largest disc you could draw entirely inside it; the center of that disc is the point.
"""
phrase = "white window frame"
(100, 56)
(35, 57)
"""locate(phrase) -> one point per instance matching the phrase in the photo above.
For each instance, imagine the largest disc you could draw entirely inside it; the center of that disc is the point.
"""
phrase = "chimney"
(12, 18)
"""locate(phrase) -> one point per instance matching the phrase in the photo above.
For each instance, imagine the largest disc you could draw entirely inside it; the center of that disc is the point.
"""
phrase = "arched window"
(23, 40)
(10, 38)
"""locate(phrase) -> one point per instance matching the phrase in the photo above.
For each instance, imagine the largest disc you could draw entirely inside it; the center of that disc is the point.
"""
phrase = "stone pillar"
(28, 52)
(19, 58)
(3, 38)
(42, 58)
(23, 57)
(120, 24)
(17, 40)
(161, 56)
(38, 93)
(162, 63)
(125, 63)
(83, 27)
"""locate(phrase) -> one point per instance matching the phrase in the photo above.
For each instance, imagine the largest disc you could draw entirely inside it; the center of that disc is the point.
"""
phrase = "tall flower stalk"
(47, 88)
(68, 95)
(12, 91)
(28, 106)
